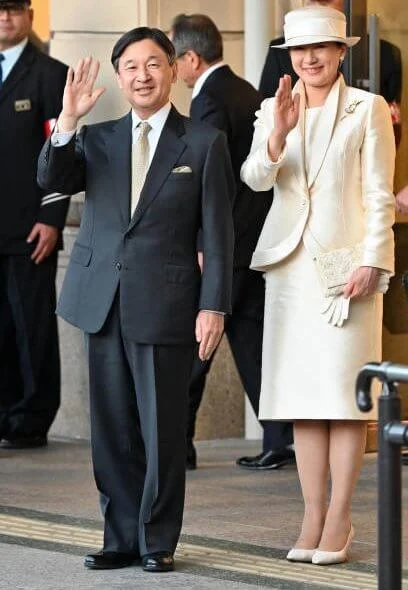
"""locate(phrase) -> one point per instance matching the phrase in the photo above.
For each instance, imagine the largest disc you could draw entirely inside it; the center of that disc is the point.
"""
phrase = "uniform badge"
(22, 105)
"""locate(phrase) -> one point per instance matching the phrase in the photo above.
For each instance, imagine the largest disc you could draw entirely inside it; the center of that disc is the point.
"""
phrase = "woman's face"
(317, 65)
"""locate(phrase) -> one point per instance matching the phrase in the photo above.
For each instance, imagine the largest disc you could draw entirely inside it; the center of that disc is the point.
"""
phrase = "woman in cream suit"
(328, 150)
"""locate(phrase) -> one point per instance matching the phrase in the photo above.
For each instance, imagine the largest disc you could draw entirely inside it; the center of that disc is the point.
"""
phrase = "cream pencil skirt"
(309, 367)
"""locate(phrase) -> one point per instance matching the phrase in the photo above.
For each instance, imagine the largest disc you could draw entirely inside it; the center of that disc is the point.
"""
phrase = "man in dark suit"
(31, 89)
(134, 285)
(228, 102)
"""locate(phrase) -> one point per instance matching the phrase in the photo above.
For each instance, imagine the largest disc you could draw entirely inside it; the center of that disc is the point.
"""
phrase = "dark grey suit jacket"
(152, 256)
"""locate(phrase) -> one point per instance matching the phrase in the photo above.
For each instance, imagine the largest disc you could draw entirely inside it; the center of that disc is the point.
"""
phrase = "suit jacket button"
(118, 265)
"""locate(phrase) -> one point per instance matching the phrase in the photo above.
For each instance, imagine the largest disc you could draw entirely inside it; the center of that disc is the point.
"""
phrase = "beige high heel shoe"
(304, 555)
(331, 557)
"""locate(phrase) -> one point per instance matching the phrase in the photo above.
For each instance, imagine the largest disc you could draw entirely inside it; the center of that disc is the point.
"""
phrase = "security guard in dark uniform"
(31, 90)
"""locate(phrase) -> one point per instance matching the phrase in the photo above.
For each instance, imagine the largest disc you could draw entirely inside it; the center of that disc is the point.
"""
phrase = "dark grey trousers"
(139, 400)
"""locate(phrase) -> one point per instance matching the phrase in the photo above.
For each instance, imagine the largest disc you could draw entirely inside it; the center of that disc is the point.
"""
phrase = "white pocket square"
(182, 170)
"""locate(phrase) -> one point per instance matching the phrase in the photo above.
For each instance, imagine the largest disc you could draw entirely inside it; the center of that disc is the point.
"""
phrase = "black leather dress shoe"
(268, 460)
(191, 461)
(24, 442)
(158, 562)
(110, 560)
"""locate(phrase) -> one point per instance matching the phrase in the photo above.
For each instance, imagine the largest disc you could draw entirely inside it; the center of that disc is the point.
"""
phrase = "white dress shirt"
(11, 57)
(156, 122)
(200, 81)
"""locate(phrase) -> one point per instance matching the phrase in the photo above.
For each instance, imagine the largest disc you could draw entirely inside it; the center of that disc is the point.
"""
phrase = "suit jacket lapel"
(324, 131)
(168, 152)
(119, 143)
(20, 68)
(297, 137)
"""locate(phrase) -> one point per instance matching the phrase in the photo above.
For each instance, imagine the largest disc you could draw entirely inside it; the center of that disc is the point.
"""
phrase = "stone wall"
(72, 420)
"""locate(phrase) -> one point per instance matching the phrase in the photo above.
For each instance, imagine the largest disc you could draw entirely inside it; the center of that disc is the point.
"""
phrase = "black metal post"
(392, 434)
(389, 528)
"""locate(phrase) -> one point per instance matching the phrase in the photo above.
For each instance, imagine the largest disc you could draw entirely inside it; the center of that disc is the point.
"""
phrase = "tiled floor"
(238, 525)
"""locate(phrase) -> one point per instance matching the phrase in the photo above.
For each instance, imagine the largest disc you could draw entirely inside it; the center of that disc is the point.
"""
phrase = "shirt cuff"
(212, 311)
(61, 138)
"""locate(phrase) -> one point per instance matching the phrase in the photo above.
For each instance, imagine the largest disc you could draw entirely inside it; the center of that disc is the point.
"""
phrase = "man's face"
(15, 23)
(145, 77)
(186, 68)
(187, 64)
(337, 4)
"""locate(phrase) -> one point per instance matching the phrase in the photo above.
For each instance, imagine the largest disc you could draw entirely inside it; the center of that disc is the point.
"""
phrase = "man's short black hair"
(197, 32)
(139, 34)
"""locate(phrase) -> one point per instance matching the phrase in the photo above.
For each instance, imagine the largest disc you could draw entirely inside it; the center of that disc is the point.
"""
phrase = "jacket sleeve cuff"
(53, 210)
(270, 164)
(384, 263)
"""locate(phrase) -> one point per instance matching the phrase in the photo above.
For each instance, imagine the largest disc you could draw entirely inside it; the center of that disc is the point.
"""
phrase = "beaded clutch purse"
(336, 267)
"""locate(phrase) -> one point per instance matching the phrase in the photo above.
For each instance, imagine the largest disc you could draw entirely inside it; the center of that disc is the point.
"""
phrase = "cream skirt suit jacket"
(333, 189)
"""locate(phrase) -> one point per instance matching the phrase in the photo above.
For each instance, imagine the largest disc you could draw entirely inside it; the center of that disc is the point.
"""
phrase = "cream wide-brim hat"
(315, 24)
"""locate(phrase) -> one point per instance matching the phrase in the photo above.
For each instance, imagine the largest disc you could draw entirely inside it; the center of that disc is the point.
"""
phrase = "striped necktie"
(140, 164)
(2, 58)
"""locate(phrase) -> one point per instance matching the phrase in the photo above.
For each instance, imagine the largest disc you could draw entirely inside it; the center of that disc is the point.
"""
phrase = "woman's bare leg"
(312, 457)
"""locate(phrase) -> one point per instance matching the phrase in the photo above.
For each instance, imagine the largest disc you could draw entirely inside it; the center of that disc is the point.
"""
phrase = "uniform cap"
(11, 3)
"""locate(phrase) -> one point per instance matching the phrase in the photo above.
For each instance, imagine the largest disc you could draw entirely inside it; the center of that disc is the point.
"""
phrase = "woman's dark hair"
(197, 32)
(140, 34)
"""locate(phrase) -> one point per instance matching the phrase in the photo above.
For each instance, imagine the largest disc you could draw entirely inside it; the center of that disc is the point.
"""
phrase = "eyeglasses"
(13, 9)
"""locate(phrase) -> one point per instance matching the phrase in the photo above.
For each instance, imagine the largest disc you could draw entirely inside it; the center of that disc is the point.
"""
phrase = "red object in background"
(49, 127)
(395, 112)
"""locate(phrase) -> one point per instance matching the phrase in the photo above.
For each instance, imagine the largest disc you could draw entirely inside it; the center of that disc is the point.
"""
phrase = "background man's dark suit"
(30, 97)
(229, 103)
(135, 283)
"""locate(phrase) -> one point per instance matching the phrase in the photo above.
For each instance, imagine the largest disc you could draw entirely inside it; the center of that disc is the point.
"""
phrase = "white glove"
(335, 310)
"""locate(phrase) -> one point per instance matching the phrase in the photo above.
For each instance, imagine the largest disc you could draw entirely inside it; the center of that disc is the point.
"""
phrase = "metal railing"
(392, 434)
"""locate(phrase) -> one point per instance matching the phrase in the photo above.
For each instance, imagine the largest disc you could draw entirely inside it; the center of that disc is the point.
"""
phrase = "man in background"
(227, 102)
(31, 88)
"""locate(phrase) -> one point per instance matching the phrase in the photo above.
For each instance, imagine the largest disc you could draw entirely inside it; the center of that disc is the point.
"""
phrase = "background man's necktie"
(140, 164)
(2, 58)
